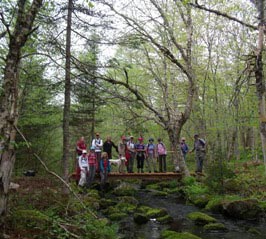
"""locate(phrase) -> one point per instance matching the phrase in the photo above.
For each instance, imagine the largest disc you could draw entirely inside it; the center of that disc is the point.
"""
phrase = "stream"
(178, 209)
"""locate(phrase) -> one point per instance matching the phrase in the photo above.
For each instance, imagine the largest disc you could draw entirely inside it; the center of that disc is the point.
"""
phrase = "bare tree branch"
(222, 14)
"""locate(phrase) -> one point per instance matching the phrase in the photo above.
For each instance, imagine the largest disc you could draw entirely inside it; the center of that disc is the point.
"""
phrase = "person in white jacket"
(84, 168)
(97, 143)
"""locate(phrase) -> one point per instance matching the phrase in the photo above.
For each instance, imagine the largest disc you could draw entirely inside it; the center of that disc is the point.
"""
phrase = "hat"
(92, 147)
(196, 135)
(140, 139)
(97, 134)
(183, 139)
(151, 139)
(131, 137)
(84, 151)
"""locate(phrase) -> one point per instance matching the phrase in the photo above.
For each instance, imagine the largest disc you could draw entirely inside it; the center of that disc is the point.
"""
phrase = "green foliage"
(217, 172)
(188, 181)
(195, 190)
(215, 203)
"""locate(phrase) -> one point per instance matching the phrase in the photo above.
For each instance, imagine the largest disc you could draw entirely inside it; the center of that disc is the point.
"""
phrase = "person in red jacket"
(81, 145)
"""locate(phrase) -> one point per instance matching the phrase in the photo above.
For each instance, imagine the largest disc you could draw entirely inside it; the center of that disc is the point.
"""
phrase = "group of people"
(199, 148)
(97, 160)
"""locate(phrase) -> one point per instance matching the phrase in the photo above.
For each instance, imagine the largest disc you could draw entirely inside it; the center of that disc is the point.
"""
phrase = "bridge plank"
(145, 176)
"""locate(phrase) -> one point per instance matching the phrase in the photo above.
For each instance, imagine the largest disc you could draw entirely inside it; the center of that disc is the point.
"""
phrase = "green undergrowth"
(43, 214)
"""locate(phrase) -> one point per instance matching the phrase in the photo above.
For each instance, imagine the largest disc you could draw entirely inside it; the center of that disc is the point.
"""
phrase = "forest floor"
(43, 193)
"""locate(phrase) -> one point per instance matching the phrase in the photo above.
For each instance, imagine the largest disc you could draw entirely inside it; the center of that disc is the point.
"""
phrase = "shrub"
(218, 172)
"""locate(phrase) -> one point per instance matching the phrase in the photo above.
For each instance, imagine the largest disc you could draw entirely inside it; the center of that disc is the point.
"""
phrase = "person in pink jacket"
(161, 154)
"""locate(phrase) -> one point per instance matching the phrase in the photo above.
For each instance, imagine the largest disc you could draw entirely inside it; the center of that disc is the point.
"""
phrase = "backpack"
(161, 149)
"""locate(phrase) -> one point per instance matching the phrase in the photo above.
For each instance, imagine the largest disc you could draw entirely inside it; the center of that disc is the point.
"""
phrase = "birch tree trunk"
(260, 81)
(9, 98)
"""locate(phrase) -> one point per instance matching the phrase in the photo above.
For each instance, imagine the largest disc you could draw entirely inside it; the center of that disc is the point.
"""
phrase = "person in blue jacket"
(184, 147)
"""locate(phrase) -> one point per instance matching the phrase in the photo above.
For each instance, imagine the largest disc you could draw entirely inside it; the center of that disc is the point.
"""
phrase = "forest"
(165, 69)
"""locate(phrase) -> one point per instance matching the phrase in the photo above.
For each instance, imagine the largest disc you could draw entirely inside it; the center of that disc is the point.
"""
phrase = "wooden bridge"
(145, 176)
(142, 176)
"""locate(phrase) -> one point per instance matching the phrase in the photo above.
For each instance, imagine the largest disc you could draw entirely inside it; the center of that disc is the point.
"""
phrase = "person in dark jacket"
(105, 168)
(108, 145)
(200, 152)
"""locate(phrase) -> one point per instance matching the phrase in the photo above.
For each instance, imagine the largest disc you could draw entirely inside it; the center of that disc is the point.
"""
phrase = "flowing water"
(178, 209)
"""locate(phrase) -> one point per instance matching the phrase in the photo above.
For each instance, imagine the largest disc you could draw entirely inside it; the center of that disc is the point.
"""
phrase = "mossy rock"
(140, 218)
(215, 205)
(153, 187)
(174, 191)
(167, 234)
(117, 216)
(125, 189)
(111, 210)
(165, 219)
(126, 207)
(93, 193)
(215, 227)
(232, 185)
(156, 212)
(160, 194)
(201, 218)
(262, 205)
(105, 203)
(128, 199)
(254, 231)
(200, 200)
(152, 212)
(247, 209)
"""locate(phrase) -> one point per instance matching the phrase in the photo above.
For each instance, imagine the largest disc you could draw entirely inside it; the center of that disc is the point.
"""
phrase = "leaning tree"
(18, 35)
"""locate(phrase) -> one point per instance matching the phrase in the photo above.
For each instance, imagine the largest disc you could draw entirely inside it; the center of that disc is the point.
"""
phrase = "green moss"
(152, 212)
(201, 200)
(117, 216)
(254, 231)
(165, 219)
(153, 187)
(128, 199)
(160, 194)
(156, 212)
(174, 190)
(126, 207)
(167, 234)
(262, 205)
(125, 190)
(215, 227)
(215, 203)
(105, 203)
(201, 218)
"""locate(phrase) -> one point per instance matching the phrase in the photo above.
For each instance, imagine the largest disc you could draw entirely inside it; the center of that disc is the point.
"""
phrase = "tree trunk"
(66, 116)
(260, 81)
(174, 137)
(9, 97)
